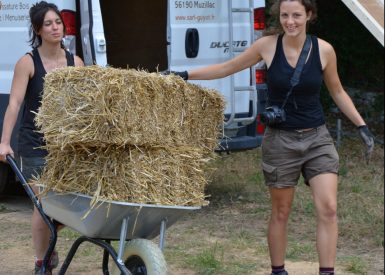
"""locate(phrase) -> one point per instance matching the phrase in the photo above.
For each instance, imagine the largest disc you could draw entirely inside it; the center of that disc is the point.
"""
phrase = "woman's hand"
(368, 139)
(5, 150)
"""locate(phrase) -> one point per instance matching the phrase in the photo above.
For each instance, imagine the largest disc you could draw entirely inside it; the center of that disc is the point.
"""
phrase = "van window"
(136, 33)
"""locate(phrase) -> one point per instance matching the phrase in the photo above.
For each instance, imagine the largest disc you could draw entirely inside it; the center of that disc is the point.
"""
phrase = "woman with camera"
(296, 140)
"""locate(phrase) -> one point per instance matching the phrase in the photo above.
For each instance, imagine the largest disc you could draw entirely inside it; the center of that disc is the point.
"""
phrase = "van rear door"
(14, 28)
(92, 33)
(14, 37)
(14, 23)
(199, 35)
(135, 33)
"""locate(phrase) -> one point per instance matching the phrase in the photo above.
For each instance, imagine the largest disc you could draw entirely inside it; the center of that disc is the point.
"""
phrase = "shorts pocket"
(270, 172)
(325, 136)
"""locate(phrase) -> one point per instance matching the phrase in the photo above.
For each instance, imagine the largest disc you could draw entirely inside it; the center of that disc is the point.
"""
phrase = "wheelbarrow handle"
(28, 189)
(36, 203)
(23, 181)
(16, 169)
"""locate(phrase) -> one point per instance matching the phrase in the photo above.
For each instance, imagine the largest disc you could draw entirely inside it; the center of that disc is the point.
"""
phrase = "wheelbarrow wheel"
(142, 257)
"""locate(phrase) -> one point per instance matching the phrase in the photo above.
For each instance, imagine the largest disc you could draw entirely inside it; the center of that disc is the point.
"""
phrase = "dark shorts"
(31, 167)
(287, 154)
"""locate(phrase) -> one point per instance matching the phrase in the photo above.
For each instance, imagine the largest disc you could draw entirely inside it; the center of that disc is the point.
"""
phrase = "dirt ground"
(17, 253)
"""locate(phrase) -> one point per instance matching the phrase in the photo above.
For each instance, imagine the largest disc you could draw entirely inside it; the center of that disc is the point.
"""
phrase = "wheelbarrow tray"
(104, 221)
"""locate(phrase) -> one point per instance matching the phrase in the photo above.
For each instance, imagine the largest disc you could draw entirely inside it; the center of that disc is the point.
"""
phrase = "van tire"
(4, 176)
(144, 255)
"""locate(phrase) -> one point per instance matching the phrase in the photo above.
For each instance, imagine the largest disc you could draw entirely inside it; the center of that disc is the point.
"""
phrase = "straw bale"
(99, 106)
(164, 176)
(128, 135)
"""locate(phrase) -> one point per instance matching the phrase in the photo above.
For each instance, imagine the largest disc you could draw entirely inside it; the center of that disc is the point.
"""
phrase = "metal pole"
(231, 55)
(339, 132)
(123, 236)
(162, 234)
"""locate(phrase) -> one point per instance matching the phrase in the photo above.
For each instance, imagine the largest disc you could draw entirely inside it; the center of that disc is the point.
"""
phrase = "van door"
(14, 23)
(135, 33)
(14, 27)
(92, 33)
(14, 34)
(200, 34)
(14, 37)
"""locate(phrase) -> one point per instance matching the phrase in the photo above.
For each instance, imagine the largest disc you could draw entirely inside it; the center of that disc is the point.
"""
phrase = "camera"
(273, 115)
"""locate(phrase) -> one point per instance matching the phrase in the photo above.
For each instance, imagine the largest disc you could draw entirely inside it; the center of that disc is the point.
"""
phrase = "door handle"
(192, 43)
(101, 43)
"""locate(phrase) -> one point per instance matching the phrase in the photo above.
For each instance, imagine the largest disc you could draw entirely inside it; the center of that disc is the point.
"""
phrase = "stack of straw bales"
(128, 135)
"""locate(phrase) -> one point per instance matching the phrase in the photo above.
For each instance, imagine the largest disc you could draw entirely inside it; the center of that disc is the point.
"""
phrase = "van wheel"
(4, 175)
(142, 257)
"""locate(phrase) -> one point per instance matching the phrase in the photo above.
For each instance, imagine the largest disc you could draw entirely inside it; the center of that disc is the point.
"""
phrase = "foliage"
(3, 208)
(360, 56)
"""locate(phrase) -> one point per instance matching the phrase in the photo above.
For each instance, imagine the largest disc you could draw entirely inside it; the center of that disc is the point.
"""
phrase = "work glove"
(183, 74)
(368, 139)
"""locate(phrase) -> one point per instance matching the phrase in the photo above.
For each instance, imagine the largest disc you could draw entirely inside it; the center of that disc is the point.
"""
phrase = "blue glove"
(368, 139)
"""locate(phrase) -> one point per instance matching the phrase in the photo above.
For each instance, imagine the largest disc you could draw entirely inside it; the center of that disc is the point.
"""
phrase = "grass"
(208, 261)
(68, 234)
(361, 201)
(357, 265)
(237, 183)
(300, 251)
(3, 208)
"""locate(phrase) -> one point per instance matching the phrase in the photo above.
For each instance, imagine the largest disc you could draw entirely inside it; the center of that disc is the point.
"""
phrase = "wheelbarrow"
(133, 225)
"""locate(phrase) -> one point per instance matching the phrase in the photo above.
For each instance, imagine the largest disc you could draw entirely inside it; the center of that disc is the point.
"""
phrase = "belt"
(304, 130)
(300, 131)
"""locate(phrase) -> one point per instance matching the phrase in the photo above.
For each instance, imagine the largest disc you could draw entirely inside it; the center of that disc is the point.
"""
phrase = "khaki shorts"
(287, 154)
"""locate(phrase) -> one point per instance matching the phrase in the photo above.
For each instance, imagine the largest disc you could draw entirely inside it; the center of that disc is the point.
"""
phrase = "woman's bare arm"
(22, 73)
(248, 58)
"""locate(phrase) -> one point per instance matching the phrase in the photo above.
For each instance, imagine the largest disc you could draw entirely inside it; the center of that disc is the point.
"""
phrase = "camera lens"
(273, 115)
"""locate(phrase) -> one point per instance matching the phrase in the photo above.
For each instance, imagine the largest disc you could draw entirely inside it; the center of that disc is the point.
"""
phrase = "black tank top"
(29, 138)
(309, 112)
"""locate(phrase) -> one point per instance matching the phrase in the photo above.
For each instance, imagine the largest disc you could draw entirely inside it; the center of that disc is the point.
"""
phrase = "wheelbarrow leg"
(123, 237)
(105, 260)
(103, 244)
(71, 254)
(162, 234)
(51, 225)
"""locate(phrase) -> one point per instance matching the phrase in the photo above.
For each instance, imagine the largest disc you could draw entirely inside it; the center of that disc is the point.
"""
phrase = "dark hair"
(310, 6)
(36, 14)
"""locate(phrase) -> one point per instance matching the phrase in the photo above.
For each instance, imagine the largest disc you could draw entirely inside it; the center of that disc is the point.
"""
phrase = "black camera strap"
(298, 69)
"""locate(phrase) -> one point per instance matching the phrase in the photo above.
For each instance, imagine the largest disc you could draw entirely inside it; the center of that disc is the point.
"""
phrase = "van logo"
(225, 45)
(13, 6)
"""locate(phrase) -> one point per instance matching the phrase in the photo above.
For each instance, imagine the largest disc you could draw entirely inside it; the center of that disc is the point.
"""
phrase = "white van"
(155, 36)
